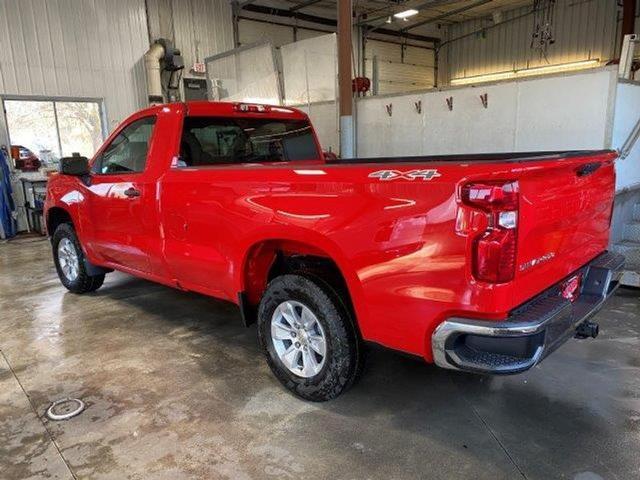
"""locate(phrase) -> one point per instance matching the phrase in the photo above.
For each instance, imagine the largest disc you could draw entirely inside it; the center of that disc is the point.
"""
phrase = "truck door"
(122, 200)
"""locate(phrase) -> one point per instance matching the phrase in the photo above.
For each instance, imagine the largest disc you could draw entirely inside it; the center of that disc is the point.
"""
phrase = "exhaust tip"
(587, 329)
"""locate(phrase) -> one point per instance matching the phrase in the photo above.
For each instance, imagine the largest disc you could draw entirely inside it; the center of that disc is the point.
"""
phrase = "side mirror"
(330, 157)
(75, 166)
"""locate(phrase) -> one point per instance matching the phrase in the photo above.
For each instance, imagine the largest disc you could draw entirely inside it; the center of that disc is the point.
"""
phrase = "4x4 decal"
(408, 175)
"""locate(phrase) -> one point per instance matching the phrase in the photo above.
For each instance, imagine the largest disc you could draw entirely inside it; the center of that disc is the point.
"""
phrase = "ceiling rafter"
(450, 13)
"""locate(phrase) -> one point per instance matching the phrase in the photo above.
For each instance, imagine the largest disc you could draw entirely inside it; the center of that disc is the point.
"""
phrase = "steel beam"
(302, 5)
(455, 11)
(279, 12)
(243, 3)
(404, 6)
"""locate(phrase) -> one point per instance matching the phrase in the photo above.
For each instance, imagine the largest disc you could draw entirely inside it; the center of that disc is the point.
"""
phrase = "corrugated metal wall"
(584, 29)
(73, 48)
(202, 28)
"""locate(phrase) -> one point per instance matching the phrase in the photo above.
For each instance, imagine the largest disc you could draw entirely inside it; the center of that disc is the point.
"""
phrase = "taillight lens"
(494, 249)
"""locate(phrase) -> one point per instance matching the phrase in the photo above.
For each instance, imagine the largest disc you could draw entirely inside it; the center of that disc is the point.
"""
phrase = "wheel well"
(273, 258)
(55, 217)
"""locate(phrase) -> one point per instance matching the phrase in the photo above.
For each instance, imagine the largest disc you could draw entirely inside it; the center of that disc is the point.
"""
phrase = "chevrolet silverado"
(483, 263)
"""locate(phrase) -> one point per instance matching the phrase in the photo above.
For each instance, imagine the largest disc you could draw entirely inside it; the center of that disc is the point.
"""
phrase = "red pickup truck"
(483, 263)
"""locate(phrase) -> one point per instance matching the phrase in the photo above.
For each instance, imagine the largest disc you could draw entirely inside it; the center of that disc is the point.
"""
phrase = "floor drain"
(65, 409)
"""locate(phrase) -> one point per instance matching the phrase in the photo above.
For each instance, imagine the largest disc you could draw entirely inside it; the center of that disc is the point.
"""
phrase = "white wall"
(75, 49)
(551, 113)
(627, 114)
(584, 29)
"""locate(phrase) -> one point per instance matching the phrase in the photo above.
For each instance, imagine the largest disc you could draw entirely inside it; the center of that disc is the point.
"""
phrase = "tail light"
(494, 249)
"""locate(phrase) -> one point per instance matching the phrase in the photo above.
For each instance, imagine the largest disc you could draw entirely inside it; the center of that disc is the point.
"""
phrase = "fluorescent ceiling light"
(526, 72)
(564, 67)
(406, 14)
(490, 77)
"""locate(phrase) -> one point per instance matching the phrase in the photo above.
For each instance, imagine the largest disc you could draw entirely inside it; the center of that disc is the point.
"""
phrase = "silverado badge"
(536, 261)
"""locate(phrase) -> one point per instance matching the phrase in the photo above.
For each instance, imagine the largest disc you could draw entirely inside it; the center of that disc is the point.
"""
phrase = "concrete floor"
(177, 388)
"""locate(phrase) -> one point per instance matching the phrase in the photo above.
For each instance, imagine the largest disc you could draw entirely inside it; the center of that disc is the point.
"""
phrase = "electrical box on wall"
(195, 89)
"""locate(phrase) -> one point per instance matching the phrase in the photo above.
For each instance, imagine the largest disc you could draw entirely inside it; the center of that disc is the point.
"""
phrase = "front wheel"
(308, 337)
(70, 265)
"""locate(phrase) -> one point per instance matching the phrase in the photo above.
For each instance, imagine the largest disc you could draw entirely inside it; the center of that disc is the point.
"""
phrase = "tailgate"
(564, 218)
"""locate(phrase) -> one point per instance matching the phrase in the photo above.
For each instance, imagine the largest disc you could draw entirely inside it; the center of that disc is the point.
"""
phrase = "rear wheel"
(70, 263)
(308, 337)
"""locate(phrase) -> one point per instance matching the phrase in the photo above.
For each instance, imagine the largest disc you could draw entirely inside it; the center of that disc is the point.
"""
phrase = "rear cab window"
(223, 141)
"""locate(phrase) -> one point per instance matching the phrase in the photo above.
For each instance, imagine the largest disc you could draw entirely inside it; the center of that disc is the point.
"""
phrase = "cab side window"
(127, 152)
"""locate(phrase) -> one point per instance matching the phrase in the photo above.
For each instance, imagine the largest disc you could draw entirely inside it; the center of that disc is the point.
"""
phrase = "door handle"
(132, 192)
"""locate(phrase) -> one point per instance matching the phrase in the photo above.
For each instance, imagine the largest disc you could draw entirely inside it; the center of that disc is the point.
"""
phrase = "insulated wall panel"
(324, 117)
(246, 74)
(564, 112)
(309, 70)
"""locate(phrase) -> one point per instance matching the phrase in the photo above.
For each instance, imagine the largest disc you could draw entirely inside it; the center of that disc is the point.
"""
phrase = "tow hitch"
(587, 329)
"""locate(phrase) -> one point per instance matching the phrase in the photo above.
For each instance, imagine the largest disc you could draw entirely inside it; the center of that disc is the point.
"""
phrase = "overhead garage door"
(251, 31)
(395, 71)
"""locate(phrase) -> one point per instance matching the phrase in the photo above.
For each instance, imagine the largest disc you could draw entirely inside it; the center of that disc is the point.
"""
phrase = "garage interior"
(173, 385)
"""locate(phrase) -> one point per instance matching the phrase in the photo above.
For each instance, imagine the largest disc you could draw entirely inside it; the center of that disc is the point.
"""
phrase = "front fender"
(68, 194)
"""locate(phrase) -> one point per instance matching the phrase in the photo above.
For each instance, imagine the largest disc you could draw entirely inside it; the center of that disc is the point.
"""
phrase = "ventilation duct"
(154, 75)
(162, 57)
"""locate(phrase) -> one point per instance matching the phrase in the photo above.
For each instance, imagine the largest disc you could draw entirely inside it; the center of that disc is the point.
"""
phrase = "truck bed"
(509, 157)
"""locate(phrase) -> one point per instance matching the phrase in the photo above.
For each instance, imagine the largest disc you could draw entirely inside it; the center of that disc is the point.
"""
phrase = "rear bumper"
(532, 331)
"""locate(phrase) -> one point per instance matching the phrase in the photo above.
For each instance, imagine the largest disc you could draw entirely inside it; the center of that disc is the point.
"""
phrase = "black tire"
(83, 283)
(344, 350)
